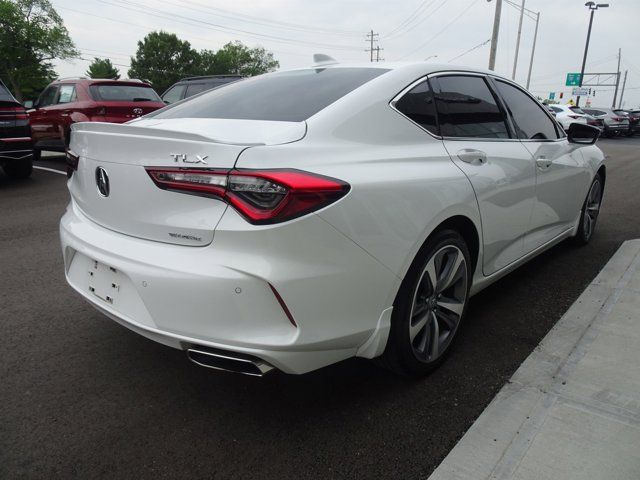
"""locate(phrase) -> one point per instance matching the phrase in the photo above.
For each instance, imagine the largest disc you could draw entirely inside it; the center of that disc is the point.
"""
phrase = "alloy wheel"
(438, 303)
(592, 209)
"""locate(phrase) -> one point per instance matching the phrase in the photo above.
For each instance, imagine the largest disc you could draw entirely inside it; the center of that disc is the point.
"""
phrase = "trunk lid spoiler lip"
(234, 131)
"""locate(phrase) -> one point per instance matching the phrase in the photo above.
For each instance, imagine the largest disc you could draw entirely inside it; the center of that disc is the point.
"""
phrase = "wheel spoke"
(430, 273)
(418, 325)
(435, 336)
(451, 305)
(425, 339)
(449, 319)
(451, 271)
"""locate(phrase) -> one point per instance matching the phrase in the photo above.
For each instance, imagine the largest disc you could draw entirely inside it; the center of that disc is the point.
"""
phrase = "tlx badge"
(182, 157)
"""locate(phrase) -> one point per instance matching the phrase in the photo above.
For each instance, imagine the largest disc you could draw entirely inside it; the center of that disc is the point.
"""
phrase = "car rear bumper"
(15, 148)
(206, 296)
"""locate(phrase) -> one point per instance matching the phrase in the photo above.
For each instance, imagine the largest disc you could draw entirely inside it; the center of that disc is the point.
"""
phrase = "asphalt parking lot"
(82, 397)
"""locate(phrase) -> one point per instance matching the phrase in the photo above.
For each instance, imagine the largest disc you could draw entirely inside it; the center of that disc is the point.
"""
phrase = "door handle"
(543, 162)
(472, 156)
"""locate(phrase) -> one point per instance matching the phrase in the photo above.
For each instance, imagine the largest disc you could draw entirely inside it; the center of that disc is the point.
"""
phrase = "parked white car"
(568, 114)
(299, 218)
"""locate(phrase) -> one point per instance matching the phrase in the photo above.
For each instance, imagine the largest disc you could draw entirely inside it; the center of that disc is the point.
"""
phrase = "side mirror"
(582, 134)
(28, 104)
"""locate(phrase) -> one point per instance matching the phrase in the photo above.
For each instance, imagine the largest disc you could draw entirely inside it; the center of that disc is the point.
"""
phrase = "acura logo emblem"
(102, 181)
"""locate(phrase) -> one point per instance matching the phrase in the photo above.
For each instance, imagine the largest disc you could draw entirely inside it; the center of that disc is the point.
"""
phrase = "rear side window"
(530, 120)
(124, 93)
(467, 108)
(67, 94)
(291, 96)
(174, 94)
(419, 105)
(194, 88)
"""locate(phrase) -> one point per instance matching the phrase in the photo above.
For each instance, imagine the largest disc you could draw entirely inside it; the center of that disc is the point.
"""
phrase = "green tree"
(31, 35)
(237, 58)
(103, 68)
(163, 59)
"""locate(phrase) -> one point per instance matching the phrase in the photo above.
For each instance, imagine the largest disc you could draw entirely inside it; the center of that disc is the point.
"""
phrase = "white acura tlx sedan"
(299, 218)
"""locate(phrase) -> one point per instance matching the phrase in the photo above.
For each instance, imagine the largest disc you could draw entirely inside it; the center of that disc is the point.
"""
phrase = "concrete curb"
(572, 409)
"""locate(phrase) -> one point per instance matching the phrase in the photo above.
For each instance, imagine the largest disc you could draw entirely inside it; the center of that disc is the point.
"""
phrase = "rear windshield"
(291, 96)
(621, 112)
(577, 110)
(124, 93)
(5, 95)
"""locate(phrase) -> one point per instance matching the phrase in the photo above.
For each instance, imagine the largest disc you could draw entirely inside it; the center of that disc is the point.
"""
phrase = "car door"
(479, 139)
(60, 112)
(561, 176)
(42, 128)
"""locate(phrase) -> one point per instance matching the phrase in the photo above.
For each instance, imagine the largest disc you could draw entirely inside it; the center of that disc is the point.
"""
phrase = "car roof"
(208, 77)
(91, 81)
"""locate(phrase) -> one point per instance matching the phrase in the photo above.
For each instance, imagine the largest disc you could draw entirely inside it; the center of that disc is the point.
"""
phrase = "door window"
(194, 88)
(418, 104)
(47, 97)
(174, 94)
(530, 120)
(467, 108)
(67, 94)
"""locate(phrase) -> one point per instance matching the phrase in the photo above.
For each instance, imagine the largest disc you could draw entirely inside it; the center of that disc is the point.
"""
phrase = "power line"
(425, 14)
(411, 17)
(135, 7)
(445, 28)
(263, 21)
(470, 50)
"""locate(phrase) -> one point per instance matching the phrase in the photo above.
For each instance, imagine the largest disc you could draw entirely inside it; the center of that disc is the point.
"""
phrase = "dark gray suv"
(16, 148)
(188, 87)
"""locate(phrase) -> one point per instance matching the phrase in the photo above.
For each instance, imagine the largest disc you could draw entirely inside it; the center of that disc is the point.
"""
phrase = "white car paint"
(338, 269)
(566, 116)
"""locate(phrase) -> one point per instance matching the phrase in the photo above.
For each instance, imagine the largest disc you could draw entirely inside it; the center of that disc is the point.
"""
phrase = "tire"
(590, 212)
(419, 314)
(18, 169)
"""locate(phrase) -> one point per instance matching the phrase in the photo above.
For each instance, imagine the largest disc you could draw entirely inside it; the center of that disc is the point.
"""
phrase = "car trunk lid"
(133, 204)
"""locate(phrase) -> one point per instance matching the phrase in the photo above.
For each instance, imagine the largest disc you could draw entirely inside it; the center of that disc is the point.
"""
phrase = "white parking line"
(50, 170)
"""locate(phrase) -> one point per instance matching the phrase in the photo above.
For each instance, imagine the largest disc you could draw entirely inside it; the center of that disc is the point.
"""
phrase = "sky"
(445, 31)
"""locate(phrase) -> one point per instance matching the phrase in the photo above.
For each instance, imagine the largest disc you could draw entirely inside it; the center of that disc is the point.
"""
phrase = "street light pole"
(515, 60)
(593, 7)
(494, 37)
(533, 50)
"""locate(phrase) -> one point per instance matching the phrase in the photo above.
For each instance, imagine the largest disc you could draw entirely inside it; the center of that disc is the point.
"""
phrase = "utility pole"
(515, 60)
(593, 7)
(378, 59)
(615, 93)
(371, 38)
(494, 36)
(533, 50)
(624, 84)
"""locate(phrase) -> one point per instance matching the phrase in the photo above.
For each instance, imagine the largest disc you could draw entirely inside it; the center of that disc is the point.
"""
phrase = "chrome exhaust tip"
(228, 361)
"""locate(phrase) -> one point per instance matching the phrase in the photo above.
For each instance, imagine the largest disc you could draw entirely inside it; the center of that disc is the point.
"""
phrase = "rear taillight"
(13, 113)
(72, 163)
(260, 196)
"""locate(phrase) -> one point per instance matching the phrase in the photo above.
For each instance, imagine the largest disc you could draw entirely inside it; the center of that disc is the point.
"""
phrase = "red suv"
(67, 101)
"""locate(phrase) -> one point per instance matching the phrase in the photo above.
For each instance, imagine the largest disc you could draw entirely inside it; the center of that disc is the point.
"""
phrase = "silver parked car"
(614, 123)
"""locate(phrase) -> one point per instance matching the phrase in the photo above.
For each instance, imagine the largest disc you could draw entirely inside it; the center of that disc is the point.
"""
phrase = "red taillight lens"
(260, 196)
(13, 113)
(72, 163)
